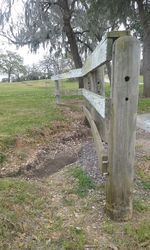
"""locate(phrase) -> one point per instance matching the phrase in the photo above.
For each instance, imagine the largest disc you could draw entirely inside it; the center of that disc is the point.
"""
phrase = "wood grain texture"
(101, 54)
(97, 58)
(97, 101)
(124, 100)
(97, 138)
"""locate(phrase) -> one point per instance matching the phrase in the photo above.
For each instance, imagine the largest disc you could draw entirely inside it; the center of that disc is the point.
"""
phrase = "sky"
(29, 58)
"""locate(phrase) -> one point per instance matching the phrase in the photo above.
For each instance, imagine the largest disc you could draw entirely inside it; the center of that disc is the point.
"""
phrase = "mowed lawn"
(27, 105)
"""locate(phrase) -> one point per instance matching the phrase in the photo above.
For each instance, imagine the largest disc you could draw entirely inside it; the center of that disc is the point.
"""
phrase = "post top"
(115, 34)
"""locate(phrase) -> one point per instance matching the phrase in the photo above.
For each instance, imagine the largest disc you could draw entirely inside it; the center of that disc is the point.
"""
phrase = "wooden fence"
(112, 120)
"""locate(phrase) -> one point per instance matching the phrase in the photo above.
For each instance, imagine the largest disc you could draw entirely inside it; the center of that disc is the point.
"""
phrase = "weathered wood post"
(100, 81)
(92, 77)
(57, 92)
(85, 81)
(124, 100)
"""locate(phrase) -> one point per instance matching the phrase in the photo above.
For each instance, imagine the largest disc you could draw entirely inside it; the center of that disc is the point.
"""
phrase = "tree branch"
(86, 44)
(81, 32)
(16, 42)
(73, 5)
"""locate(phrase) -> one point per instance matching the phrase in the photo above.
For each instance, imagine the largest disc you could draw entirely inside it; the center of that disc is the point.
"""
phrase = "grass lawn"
(26, 106)
(66, 211)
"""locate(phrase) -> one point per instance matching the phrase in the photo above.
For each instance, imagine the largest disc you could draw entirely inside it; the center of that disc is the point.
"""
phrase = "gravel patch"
(89, 161)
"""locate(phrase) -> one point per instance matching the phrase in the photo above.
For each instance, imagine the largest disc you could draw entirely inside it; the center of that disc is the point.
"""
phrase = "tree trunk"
(145, 23)
(9, 75)
(71, 38)
(146, 63)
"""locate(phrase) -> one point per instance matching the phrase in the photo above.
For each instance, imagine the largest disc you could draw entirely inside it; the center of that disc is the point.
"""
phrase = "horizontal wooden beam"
(96, 59)
(101, 55)
(74, 73)
(97, 101)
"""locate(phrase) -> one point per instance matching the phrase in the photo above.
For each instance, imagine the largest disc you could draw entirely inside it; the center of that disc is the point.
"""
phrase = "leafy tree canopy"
(11, 64)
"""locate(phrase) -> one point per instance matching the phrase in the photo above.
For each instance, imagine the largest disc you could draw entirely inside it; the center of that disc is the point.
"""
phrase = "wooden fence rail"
(112, 120)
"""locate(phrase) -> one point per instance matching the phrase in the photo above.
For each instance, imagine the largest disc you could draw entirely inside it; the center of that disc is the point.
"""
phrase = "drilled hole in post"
(127, 78)
(98, 82)
(126, 99)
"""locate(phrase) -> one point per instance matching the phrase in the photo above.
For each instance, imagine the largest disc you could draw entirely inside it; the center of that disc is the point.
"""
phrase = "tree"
(33, 73)
(11, 64)
(63, 23)
(55, 64)
(48, 21)
(135, 15)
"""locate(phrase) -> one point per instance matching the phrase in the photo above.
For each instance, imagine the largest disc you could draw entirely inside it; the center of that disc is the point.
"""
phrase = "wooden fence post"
(100, 81)
(123, 110)
(57, 92)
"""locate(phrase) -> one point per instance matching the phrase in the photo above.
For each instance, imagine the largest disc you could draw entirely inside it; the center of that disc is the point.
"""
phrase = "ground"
(56, 212)
(52, 196)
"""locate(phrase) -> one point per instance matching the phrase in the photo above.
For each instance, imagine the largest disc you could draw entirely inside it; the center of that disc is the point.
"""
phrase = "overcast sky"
(29, 58)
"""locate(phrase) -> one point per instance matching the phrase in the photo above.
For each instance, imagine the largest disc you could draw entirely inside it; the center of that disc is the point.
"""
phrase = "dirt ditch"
(68, 143)
(54, 149)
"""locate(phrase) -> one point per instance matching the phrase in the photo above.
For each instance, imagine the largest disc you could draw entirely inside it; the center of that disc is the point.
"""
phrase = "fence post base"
(57, 92)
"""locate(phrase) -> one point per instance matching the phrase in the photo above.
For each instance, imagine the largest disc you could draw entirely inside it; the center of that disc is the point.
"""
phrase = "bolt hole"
(127, 78)
(98, 83)
(126, 98)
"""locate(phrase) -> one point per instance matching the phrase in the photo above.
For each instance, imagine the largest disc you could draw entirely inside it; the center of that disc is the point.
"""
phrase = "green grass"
(27, 106)
(140, 232)
(145, 179)
(144, 105)
(140, 205)
(16, 197)
(107, 90)
(129, 235)
(23, 107)
(85, 182)
(109, 228)
(69, 85)
(28, 219)
(141, 79)
(76, 240)
(146, 185)
(29, 216)
(2, 157)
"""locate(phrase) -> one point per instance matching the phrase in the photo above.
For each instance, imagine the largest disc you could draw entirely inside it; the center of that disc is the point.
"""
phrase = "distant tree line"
(11, 64)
